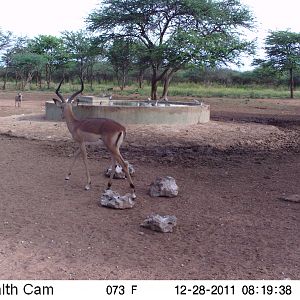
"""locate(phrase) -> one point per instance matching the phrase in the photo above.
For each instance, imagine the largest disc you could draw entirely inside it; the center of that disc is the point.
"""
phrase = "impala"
(18, 100)
(91, 131)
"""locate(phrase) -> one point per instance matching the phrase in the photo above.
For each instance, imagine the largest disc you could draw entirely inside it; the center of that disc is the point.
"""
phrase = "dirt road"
(231, 223)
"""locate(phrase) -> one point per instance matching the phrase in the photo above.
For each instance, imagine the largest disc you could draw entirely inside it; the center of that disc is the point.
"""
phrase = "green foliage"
(283, 54)
(174, 33)
(26, 64)
(283, 49)
(5, 39)
(152, 42)
(53, 51)
(121, 55)
(81, 47)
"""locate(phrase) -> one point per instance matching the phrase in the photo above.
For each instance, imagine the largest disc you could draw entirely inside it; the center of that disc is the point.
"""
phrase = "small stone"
(291, 198)
(163, 187)
(160, 223)
(113, 199)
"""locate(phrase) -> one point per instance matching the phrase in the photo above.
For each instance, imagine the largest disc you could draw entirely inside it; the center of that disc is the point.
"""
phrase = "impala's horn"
(58, 93)
(78, 92)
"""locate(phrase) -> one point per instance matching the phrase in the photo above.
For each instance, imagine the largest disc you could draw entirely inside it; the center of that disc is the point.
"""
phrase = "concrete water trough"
(135, 112)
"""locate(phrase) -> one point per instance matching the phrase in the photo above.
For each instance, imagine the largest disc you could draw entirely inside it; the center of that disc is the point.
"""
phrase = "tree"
(120, 55)
(52, 49)
(283, 54)
(5, 39)
(81, 47)
(26, 64)
(175, 33)
(19, 45)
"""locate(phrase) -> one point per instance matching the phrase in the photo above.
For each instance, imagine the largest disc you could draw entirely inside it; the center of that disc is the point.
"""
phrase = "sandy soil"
(231, 173)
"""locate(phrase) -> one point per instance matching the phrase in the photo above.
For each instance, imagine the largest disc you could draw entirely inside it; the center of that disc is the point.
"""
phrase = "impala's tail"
(120, 138)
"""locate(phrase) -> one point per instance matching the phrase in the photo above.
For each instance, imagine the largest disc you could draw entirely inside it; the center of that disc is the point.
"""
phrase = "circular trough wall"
(180, 113)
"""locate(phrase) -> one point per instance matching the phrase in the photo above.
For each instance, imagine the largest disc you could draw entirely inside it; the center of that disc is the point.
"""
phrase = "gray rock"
(119, 173)
(163, 187)
(291, 198)
(160, 223)
(112, 199)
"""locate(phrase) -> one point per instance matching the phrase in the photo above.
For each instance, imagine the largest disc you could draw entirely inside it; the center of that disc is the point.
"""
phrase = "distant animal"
(18, 100)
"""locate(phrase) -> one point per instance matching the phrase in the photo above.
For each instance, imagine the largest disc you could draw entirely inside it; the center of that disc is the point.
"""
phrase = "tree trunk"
(28, 80)
(141, 78)
(123, 80)
(47, 76)
(154, 84)
(40, 80)
(91, 75)
(291, 83)
(119, 79)
(167, 80)
(5, 78)
(16, 80)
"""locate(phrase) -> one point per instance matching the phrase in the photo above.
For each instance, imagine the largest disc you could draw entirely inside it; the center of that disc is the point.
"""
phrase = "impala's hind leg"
(125, 168)
(113, 170)
(113, 148)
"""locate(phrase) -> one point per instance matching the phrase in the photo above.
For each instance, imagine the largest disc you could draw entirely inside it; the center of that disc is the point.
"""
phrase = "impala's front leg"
(84, 156)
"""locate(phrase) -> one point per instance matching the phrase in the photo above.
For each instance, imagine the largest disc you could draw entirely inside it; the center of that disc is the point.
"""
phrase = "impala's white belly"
(89, 138)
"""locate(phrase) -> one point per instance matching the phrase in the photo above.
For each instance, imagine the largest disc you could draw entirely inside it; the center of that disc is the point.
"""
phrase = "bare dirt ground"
(231, 173)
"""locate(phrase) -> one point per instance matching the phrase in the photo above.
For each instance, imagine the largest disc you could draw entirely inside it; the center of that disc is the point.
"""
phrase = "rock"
(112, 199)
(160, 223)
(291, 198)
(163, 187)
(119, 173)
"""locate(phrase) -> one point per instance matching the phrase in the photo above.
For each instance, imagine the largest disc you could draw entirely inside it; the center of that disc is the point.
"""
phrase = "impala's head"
(61, 102)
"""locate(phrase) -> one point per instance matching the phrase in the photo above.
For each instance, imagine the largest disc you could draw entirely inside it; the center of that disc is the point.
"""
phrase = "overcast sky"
(34, 17)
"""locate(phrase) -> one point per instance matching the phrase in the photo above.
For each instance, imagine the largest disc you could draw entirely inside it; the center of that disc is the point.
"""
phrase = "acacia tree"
(81, 47)
(5, 41)
(26, 65)
(18, 46)
(283, 54)
(52, 49)
(120, 55)
(175, 32)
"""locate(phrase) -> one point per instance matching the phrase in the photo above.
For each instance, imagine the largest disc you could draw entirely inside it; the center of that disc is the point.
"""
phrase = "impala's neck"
(69, 116)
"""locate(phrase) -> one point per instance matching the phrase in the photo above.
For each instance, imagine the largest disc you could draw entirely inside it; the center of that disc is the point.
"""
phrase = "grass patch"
(207, 91)
(213, 91)
(176, 89)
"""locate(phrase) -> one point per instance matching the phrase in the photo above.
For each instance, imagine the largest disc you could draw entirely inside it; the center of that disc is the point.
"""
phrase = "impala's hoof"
(87, 187)
(67, 177)
(133, 196)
